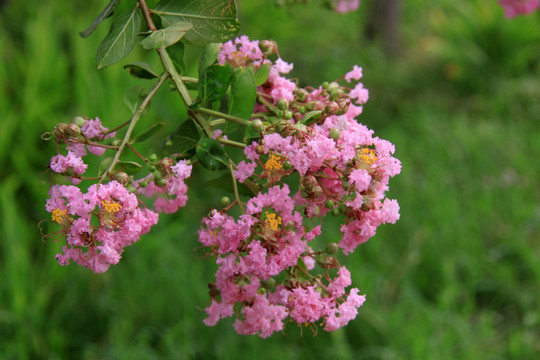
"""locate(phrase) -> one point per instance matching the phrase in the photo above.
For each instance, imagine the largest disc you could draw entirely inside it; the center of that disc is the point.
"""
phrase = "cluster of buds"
(268, 274)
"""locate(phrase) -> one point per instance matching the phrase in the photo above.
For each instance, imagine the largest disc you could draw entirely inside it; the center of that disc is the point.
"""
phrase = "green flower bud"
(282, 104)
(286, 165)
(335, 211)
(288, 115)
(60, 130)
(258, 126)
(79, 121)
(301, 95)
(329, 204)
(331, 108)
(161, 182)
(334, 134)
(332, 248)
(225, 201)
(153, 158)
(325, 85)
(122, 177)
(268, 284)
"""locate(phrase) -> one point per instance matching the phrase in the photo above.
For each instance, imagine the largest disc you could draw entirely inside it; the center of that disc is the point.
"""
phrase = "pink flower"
(345, 6)
(61, 164)
(354, 74)
(513, 8)
(261, 317)
(345, 312)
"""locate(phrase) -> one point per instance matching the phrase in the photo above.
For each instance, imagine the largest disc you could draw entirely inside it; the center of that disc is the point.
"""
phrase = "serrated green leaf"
(209, 56)
(104, 165)
(213, 20)
(224, 182)
(141, 70)
(183, 140)
(147, 133)
(166, 37)
(120, 40)
(108, 11)
(211, 154)
(129, 167)
(261, 75)
(214, 82)
(176, 53)
(134, 97)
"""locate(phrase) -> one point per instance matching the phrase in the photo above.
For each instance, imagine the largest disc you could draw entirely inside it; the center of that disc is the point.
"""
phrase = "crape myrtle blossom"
(512, 8)
(97, 224)
(345, 6)
(342, 169)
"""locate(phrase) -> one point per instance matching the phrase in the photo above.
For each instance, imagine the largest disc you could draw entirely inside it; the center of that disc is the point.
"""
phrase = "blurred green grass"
(457, 277)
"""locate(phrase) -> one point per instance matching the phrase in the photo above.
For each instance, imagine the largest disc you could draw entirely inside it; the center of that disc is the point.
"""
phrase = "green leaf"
(224, 182)
(243, 93)
(141, 70)
(147, 133)
(120, 40)
(108, 11)
(183, 140)
(166, 37)
(214, 82)
(134, 97)
(311, 117)
(176, 53)
(211, 154)
(209, 56)
(129, 167)
(104, 165)
(213, 20)
(261, 75)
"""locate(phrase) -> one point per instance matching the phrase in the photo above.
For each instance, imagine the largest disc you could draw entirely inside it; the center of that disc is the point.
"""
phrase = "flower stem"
(224, 116)
(132, 122)
(235, 188)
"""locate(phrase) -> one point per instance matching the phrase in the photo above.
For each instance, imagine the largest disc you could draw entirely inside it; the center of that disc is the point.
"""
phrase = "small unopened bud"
(301, 95)
(337, 94)
(259, 149)
(325, 85)
(317, 192)
(116, 142)
(268, 47)
(73, 130)
(333, 86)
(329, 204)
(331, 108)
(334, 134)
(288, 115)
(153, 158)
(161, 182)
(335, 211)
(164, 165)
(79, 121)
(131, 188)
(268, 284)
(282, 104)
(225, 201)
(60, 130)
(309, 182)
(121, 177)
(286, 165)
(258, 126)
(332, 248)
(318, 105)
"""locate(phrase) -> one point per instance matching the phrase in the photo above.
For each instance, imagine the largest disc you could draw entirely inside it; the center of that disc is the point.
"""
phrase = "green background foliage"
(458, 277)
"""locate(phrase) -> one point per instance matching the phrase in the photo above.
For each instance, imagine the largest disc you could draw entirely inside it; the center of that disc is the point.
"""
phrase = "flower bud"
(122, 178)
(334, 134)
(259, 149)
(164, 165)
(282, 104)
(79, 121)
(60, 130)
(225, 201)
(286, 165)
(301, 95)
(161, 182)
(268, 284)
(317, 192)
(335, 211)
(329, 204)
(288, 115)
(332, 248)
(73, 130)
(258, 126)
(318, 105)
(268, 47)
(153, 158)
(309, 182)
(331, 108)
(116, 142)
(325, 85)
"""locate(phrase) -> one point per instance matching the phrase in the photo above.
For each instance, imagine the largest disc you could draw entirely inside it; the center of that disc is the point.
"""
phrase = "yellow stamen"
(273, 163)
(59, 215)
(368, 155)
(272, 221)
(110, 206)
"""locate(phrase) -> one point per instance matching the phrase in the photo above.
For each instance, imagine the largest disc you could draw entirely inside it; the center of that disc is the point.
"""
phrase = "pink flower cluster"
(172, 194)
(513, 8)
(264, 242)
(342, 169)
(97, 244)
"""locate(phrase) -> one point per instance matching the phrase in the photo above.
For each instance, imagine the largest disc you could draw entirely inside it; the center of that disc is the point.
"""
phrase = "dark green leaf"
(166, 37)
(134, 97)
(209, 56)
(261, 75)
(120, 40)
(141, 70)
(183, 140)
(243, 93)
(176, 53)
(104, 165)
(108, 11)
(214, 82)
(147, 133)
(129, 167)
(224, 182)
(213, 20)
(211, 154)
(311, 117)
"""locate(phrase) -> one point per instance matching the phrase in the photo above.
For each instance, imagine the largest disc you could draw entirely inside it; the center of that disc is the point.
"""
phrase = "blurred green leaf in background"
(458, 277)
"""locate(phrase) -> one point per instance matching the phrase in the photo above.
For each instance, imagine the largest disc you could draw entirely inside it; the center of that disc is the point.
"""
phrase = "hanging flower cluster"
(512, 8)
